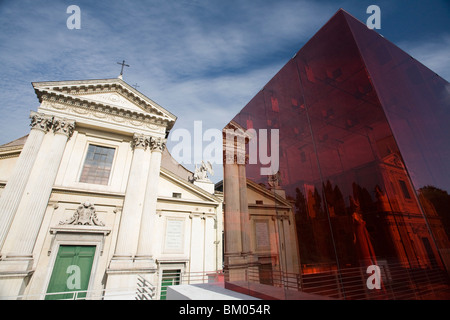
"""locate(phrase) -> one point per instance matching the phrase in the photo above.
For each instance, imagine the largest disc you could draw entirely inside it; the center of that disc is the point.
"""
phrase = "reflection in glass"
(353, 190)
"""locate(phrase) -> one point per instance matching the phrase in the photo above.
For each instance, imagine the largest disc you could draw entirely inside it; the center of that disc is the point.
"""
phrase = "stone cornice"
(80, 87)
(10, 152)
(82, 97)
(88, 192)
(187, 202)
(83, 105)
(80, 229)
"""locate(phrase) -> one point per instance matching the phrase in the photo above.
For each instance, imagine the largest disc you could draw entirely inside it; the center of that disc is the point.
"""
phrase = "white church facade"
(92, 200)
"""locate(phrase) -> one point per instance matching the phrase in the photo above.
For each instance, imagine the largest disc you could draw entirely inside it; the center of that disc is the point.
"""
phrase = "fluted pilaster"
(127, 240)
(145, 251)
(12, 194)
(34, 202)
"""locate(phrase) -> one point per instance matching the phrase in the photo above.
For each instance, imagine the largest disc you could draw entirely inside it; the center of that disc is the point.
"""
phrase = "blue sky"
(202, 60)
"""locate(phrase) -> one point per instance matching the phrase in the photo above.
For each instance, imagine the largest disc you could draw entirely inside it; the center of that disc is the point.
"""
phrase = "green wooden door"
(71, 272)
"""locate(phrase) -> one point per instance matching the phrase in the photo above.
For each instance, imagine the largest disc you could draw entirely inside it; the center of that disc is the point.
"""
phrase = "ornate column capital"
(63, 126)
(41, 121)
(235, 156)
(157, 144)
(241, 157)
(229, 155)
(140, 141)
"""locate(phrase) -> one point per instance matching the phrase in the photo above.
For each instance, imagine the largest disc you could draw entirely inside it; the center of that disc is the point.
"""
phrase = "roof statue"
(274, 180)
(201, 173)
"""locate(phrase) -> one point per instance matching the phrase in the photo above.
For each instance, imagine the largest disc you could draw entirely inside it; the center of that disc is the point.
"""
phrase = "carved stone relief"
(41, 121)
(140, 141)
(157, 144)
(63, 126)
(84, 215)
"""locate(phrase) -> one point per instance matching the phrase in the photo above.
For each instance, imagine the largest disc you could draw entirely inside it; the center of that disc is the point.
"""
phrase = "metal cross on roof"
(123, 65)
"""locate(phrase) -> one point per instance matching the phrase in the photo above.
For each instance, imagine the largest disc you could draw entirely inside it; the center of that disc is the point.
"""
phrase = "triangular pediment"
(114, 94)
(393, 160)
(170, 182)
(269, 197)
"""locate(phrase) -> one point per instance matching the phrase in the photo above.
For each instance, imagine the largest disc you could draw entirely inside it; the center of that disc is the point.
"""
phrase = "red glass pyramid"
(364, 159)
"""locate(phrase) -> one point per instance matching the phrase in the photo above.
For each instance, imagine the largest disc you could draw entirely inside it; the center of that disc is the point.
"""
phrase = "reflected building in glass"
(362, 177)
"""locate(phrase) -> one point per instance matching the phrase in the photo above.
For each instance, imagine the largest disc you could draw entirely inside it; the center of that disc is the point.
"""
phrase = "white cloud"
(200, 59)
(214, 101)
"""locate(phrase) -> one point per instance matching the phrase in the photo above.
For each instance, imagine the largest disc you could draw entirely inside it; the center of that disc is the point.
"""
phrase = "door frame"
(73, 237)
(56, 257)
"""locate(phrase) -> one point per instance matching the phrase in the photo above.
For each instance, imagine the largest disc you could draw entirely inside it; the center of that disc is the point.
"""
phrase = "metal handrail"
(144, 289)
(90, 294)
(398, 282)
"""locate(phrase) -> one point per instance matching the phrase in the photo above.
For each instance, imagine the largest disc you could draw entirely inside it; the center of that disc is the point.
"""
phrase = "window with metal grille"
(97, 165)
(169, 278)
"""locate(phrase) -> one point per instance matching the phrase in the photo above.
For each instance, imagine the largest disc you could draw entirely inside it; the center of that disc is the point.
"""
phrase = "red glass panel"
(417, 103)
(343, 179)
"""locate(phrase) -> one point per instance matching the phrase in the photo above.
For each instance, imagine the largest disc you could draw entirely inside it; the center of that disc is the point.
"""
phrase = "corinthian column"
(31, 210)
(144, 251)
(10, 198)
(134, 199)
